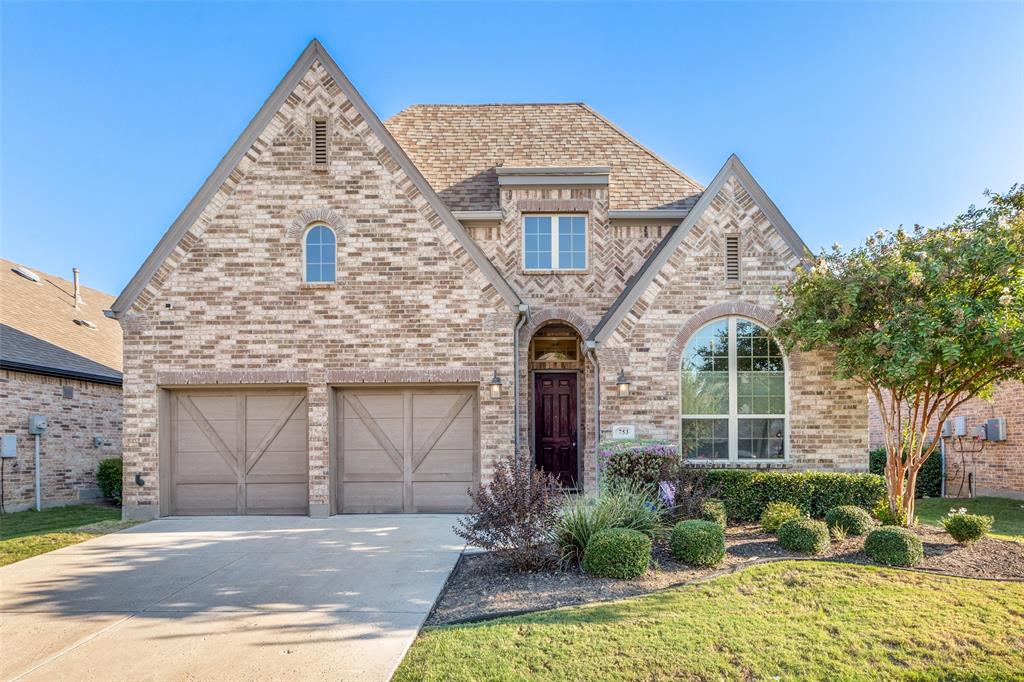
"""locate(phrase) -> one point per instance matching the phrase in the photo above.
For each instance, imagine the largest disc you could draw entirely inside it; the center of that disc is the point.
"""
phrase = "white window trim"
(734, 416)
(554, 243)
(305, 234)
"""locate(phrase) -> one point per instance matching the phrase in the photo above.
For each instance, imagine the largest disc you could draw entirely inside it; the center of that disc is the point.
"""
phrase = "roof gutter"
(29, 368)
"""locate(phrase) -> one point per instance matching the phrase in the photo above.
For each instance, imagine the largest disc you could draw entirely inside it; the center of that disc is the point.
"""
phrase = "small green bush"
(713, 510)
(698, 542)
(804, 535)
(882, 512)
(967, 528)
(894, 546)
(777, 513)
(108, 477)
(929, 477)
(852, 520)
(617, 553)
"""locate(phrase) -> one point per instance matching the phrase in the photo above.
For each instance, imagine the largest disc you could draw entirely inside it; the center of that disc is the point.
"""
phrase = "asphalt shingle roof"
(38, 331)
(457, 148)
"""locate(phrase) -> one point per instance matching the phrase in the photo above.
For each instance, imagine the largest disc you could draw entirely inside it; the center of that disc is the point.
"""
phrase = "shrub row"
(929, 478)
(747, 493)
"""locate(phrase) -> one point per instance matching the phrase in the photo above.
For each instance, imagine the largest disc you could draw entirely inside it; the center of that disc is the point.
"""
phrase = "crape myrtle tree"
(925, 320)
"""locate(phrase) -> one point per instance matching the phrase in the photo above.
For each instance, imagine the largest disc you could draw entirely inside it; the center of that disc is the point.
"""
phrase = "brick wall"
(999, 467)
(67, 452)
(230, 305)
(828, 427)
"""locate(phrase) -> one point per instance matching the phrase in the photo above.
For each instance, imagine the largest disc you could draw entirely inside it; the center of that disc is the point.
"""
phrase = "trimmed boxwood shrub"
(777, 513)
(894, 546)
(713, 510)
(804, 535)
(929, 478)
(967, 528)
(617, 553)
(697, 542)
(108, 478)
(746, 493)
(853, 520)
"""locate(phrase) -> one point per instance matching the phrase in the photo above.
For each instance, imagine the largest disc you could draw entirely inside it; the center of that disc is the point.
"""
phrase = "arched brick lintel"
(760, 314)
(315, 215)
(539, 318)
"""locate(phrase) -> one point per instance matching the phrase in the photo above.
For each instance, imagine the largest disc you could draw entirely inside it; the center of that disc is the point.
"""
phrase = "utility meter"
(37, 424)
(8, 446)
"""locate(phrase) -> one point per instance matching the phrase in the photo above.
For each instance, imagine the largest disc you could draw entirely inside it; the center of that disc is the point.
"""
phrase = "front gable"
(276, 147)
(694, 253)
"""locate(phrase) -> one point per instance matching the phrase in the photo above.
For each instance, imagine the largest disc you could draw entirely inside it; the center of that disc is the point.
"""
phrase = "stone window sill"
(318, 285)
(524, 271)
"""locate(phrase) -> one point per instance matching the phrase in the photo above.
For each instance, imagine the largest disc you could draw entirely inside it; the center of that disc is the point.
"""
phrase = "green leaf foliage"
(894, 546)
(617, 553)
(698, 543)
(747, 493)
(804, 535)
(108, 478)
(852, 520)
(929, 478)
(777, 513)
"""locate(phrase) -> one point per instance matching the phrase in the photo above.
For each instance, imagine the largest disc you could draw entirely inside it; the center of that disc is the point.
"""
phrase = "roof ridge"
(593, 112)
(496, 104)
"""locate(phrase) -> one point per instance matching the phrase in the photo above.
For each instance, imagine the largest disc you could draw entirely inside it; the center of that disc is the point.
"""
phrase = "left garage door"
(238, 452)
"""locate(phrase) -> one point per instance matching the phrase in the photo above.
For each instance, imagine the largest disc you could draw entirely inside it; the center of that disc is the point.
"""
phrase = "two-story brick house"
(356, 315)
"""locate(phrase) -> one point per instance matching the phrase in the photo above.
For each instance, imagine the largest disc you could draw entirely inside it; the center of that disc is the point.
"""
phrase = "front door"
(555, 442)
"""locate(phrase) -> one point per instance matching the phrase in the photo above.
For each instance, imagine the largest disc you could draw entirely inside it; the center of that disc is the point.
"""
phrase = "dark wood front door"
(555, 425)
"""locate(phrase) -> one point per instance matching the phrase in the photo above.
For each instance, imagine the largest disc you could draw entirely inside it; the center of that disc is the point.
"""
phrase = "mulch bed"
(484, 585)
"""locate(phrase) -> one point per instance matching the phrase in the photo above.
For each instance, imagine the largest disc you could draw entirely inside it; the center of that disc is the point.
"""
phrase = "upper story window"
(319, 253)
(555, 242)
(733, 393)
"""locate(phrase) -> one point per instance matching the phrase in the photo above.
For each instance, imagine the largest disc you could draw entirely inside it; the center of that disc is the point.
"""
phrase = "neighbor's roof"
(38, 332)
(457, 148)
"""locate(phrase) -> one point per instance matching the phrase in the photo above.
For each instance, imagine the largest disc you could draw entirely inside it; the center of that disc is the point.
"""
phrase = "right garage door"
(407, 450)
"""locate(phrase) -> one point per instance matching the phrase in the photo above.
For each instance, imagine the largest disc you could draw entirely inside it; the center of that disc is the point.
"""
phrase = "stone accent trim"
(539, 318)
(438, 375)
(316, 215)
(230, 377)
(757, 313)
(555, 205)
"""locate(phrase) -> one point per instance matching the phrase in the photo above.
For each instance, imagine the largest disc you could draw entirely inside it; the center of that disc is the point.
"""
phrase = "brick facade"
(228, 305)
(999, 467)
(233, 299)
(68, 453)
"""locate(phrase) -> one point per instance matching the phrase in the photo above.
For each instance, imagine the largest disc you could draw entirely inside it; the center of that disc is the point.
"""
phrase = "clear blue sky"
(852, 116)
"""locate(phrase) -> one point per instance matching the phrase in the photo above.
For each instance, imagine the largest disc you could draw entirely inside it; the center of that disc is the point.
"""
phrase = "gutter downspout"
(524, 316)
(591, 352)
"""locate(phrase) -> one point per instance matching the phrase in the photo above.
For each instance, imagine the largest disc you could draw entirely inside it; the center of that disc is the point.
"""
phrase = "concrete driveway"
(240, 598)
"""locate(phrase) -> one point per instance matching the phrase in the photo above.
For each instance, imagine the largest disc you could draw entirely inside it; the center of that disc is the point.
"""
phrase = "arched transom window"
(733, 393)
(319, 254)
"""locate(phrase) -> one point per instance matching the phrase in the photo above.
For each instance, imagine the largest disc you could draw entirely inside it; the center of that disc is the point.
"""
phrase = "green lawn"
(786, 620)
(28, 533)
(1009, 514)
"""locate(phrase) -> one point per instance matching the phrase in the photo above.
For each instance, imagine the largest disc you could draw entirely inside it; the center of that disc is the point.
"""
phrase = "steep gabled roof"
(38, 332)
(458, 147)
(636, 286)
(313, 52)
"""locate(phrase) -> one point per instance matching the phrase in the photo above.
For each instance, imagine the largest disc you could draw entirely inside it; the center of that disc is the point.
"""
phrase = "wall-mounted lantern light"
(495, 385)
(622, 383)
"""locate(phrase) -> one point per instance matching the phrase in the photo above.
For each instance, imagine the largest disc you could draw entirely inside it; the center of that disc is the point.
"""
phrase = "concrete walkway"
(239, 598)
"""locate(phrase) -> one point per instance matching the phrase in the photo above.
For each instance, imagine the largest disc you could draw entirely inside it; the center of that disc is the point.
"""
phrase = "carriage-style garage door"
(238, 452)
(406, 450)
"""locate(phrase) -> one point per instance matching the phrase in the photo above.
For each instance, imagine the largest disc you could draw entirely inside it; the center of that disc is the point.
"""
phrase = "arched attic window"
(319, 249)
(733, 395)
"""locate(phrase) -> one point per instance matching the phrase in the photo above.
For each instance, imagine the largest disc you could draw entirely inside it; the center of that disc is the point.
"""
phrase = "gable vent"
(732, 258)
(320, 142)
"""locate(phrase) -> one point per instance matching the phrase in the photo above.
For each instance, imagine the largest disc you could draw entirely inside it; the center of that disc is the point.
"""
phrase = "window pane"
(537, 242)
(704, 377)
(312, 273)
(572, 244)
(705, 438)
(761, 438)
(760, 377)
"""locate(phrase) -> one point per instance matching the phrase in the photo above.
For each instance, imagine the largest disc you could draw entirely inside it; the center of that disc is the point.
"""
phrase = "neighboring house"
(997, 467)
(342, 318)
(61, 360)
